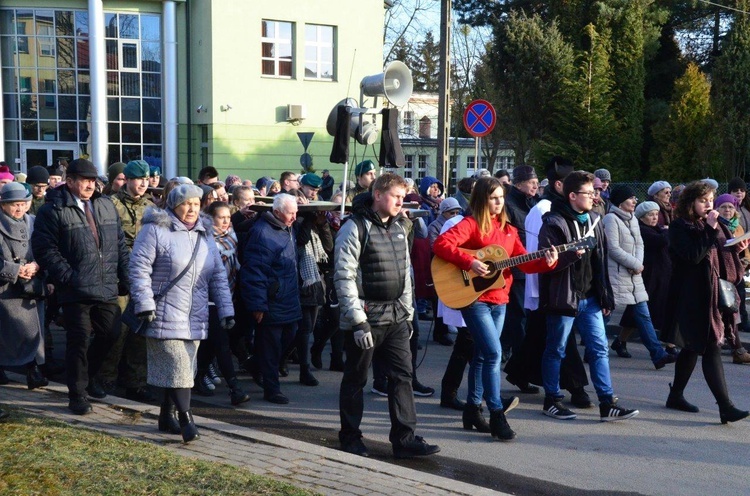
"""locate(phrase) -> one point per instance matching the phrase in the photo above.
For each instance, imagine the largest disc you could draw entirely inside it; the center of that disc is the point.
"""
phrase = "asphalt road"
(660, 452)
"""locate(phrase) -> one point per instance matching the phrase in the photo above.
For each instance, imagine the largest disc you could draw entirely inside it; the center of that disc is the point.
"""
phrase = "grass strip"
(48, 457)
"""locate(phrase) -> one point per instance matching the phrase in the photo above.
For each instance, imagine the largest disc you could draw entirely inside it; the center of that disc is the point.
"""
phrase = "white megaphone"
(366, 134)
(395, 83)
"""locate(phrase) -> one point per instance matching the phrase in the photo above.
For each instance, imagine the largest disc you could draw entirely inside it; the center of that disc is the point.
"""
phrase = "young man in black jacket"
(577, 292)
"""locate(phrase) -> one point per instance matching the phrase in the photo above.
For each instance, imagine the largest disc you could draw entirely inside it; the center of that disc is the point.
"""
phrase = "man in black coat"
(326, 186)
(80, 243)
(519, 199)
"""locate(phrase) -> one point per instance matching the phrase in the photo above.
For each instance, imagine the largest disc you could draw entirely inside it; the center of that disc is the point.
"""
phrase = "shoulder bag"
(138, 325)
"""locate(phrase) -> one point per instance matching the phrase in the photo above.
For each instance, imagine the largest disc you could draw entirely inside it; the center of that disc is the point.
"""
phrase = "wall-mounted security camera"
(200, 109)
(225, 108)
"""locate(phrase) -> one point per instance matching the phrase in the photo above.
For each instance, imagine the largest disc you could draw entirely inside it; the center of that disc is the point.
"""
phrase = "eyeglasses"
(590, 194)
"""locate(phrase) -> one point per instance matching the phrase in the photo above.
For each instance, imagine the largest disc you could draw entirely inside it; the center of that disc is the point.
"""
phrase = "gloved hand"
(363, 336)
(410, 326)
(227, 323)
(147, 316)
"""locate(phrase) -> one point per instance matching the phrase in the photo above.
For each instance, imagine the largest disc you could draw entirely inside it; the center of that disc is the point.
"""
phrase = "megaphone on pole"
(395, 84)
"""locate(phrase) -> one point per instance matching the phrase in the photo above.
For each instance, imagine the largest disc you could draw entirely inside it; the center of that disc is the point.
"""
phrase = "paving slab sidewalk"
(324, 470)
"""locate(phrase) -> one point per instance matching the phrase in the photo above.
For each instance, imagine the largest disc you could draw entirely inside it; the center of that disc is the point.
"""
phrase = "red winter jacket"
(466, 234)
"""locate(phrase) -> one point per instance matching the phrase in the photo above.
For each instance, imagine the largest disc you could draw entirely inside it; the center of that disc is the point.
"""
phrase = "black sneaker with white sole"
(553, 408)
(420, 389)
(609, 412)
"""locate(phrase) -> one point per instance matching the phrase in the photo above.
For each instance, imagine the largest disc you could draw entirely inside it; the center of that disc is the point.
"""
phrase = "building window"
(422, 171)
(319, 52)
(276, 49)
(46, 87)
(408, 123)
(471, 164)
(409, 166)
(454, 169)
(483, 161)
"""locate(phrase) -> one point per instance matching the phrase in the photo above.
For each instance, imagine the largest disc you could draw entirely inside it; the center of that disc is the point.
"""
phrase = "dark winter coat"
(269, 271)
(65, 247)
(657, 270)
(693, 287)
(557, 293)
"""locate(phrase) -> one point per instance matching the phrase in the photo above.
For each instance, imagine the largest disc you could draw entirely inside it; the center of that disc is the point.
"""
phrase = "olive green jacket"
(131, 213)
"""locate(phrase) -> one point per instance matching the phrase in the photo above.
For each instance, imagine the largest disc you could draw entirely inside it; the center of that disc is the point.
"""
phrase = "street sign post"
(479, 121)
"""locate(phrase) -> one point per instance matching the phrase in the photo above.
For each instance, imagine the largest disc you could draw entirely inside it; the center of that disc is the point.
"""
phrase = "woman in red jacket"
(488, 225)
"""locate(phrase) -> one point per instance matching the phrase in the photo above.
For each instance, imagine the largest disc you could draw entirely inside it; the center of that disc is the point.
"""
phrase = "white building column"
(98, 64)
(2, 121)
(169, 89)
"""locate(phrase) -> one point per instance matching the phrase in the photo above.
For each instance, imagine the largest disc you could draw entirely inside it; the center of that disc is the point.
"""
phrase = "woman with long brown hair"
(696, 322)
(488, 225)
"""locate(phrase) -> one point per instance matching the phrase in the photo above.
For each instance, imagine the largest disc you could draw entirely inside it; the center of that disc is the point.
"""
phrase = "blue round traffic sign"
(479, 118)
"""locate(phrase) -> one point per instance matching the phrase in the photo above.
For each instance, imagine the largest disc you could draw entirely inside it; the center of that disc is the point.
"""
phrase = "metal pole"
(97, 59)
(169, 96)
(343, 188)
(444, 96)
(476, 154)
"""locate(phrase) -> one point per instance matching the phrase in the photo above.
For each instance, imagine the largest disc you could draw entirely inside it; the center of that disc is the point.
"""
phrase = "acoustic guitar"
(458, 288)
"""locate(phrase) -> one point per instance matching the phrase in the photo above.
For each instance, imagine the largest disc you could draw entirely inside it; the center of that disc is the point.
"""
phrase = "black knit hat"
(620, 193)
(734, 184)
(37, 175)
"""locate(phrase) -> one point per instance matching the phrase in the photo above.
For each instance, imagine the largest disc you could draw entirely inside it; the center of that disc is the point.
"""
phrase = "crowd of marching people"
(169, 288)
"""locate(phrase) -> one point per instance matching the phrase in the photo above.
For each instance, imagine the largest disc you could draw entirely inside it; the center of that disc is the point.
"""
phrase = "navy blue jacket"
(269, 272)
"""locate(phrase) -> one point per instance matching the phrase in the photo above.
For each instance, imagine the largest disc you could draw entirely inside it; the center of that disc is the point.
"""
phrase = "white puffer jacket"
(625, 248)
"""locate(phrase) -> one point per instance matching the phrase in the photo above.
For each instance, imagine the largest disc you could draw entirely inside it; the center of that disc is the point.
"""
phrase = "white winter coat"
(625, 248)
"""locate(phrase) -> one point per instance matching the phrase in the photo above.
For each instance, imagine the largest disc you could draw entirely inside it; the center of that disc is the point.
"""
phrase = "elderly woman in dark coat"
(695, 321)
(178, 320)
(22, 288)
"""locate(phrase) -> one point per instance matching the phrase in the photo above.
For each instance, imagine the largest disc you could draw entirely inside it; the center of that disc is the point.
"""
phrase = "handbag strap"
(184, 271)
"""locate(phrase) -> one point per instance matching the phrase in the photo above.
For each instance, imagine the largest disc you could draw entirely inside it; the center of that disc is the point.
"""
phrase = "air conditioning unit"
(296, 112)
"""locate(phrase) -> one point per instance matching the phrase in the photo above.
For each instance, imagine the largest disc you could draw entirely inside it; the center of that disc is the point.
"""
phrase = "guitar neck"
(528, 257)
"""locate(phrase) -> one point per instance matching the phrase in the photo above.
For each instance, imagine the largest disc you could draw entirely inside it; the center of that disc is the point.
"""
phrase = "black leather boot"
(306, 377)
(730, 413)
(236, 395)
(316, 352)
(167, 419)
(499, 426)
(34, 377)
(187, 426)
(473, 418)
(676, 401)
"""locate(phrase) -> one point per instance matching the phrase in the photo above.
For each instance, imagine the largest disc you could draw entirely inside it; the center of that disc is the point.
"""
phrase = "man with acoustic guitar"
(577, 292)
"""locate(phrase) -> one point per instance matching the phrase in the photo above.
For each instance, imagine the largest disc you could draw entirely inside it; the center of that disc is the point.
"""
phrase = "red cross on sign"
(479, 118)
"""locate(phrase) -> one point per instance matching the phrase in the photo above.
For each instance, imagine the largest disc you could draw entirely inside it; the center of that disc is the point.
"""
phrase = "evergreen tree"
(686, 146)
(425, 64)
(731, 79)
(530, 62)
(586, 130)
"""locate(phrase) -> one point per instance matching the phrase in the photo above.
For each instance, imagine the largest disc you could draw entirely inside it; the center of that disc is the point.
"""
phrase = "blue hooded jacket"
(429, 204)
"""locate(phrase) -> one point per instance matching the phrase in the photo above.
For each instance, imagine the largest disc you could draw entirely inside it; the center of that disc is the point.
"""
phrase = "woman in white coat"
(625, 266)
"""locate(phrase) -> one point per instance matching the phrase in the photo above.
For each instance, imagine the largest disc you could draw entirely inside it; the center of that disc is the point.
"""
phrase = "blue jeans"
(485, 323)
(646, 329)
(590, 324)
